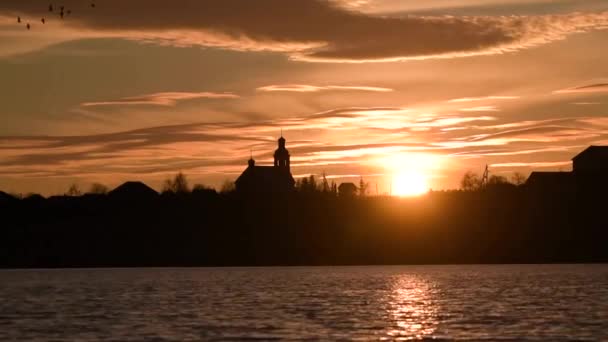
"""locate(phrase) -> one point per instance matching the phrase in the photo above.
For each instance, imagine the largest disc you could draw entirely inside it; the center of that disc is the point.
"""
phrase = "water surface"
(511, 302)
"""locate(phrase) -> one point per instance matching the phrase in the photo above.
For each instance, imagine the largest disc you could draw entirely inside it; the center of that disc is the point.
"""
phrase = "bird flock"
(62, 12)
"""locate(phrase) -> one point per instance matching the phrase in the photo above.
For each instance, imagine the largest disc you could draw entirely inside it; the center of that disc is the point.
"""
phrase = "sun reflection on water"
(412, 309)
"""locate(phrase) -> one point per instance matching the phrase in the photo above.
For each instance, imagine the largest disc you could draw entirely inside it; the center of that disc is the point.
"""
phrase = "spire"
(251, 161)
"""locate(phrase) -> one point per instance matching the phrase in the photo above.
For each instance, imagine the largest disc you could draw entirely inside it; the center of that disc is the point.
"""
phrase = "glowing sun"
(410, 184)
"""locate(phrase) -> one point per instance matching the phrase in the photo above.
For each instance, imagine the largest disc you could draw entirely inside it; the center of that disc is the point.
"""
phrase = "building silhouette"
(270, 179)
(593, 161)
(589, 169)
(133, 191)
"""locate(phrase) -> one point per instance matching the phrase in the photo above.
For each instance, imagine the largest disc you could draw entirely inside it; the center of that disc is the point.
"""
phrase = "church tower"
(281, 155)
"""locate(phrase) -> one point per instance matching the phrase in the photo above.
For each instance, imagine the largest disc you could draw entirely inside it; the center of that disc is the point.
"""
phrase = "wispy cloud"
(533, 164)
(590, 88)
(482, 98)
(368, 136)
(586, 103)
(480, 109)
(315, 30)
(162, 99)
(304, 88)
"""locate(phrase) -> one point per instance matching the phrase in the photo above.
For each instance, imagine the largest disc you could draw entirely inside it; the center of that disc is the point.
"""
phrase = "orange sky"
(143, 89)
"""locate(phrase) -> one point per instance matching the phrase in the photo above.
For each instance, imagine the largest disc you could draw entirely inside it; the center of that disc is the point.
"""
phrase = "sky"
(143, 89)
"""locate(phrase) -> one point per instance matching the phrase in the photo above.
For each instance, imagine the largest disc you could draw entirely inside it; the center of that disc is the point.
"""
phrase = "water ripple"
(510, 302)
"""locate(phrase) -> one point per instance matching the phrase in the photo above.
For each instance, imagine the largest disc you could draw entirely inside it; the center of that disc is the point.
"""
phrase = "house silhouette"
(133, 191)
(593, 161)
(589, 169)
(268, 179)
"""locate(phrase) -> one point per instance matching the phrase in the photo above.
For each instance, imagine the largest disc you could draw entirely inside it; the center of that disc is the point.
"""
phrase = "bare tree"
(470, 181)
(177, 185)
(73, 190)
(518, 178)
(98, 189)
(497, 180)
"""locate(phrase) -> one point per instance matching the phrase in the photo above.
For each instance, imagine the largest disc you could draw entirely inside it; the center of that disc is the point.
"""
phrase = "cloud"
(314, 30)
(304, 88)
(533, 164)
(356, 140)
(162, 99)
(590, 88)
(483, 98)
(480, 109)
(586, 103)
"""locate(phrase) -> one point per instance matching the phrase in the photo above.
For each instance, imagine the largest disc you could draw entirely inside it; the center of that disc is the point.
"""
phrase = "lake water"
(518, 302)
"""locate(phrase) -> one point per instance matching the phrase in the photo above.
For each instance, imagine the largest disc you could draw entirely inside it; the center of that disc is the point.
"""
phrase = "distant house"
(589, 168)
(347, 189)
(275, 179)
(133, 190)
(592, 161)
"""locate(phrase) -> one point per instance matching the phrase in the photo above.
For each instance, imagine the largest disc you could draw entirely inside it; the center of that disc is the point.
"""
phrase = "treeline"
(492, 222)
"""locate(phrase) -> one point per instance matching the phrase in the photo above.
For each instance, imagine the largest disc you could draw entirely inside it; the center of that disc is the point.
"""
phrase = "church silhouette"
(270, 179)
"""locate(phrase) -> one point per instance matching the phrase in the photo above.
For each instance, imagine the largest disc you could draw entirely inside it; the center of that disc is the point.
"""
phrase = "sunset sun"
(410, 183)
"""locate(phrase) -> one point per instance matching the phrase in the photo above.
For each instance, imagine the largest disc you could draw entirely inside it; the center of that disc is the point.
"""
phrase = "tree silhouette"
(325, 184)
(497, 180)
(362, 187)
(518, 178)
(98, 189)
(73, 190)
(177, 185)
(200, 187)
(334, 188)
(470, 181)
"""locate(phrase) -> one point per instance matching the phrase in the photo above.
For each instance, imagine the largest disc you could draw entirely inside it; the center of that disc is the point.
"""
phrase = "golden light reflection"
(412, 309)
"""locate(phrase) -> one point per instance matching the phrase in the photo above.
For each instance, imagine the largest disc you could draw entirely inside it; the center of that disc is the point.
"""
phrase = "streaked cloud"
(586, 103)
(162, 99)
(369, 135)
(304, 88)
(313, 30)
(480, 109)
(589, 88)
(533, 164)
(483, 98)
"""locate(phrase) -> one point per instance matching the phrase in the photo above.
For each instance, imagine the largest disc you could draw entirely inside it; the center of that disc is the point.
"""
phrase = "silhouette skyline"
(489, 220)
(142, 90)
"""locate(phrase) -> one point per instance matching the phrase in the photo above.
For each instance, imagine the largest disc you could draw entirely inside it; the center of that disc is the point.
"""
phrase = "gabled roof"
(594, 152)
(264, 174)
(266, 179)
(133, 189)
